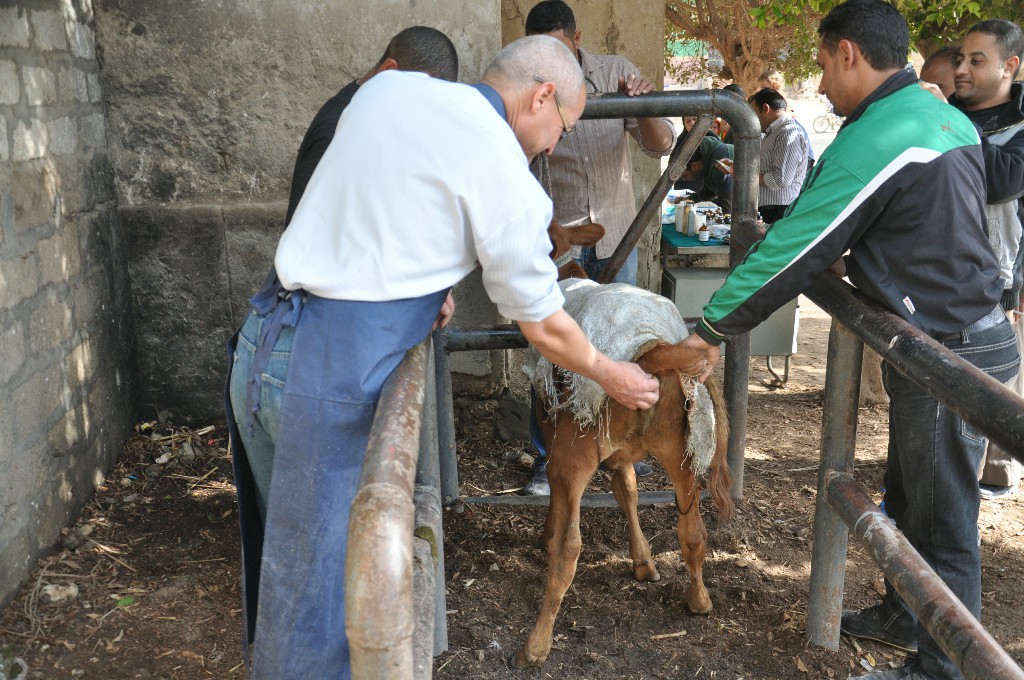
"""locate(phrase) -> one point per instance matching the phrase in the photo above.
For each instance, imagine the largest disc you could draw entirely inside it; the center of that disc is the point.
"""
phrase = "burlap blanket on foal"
(623, 322)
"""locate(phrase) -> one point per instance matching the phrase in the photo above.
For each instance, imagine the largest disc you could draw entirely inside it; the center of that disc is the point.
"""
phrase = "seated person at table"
(704, 174)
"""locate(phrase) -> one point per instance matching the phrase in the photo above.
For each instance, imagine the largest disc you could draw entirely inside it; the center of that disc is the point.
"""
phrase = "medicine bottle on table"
(703, 234)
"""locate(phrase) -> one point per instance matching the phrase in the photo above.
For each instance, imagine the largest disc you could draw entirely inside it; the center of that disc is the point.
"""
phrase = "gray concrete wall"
(67, 365)
(207, 105)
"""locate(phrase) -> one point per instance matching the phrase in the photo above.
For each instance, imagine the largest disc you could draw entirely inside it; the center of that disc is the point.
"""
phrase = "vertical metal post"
(449, 470)
(737, 389)
(838, 442)
(428, 481)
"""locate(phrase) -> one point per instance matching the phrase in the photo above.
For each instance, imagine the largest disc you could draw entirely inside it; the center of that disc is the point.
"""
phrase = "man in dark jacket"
(986, 92)
(908, 202)
(417, 48)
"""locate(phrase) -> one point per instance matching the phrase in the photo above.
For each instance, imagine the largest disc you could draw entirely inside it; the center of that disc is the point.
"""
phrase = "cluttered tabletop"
(693, 228)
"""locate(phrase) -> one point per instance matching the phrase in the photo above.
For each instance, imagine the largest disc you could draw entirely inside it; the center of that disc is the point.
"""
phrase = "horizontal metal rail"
(968, 391)
(379, 565)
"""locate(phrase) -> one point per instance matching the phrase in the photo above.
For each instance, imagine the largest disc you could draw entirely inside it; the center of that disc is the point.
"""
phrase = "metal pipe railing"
(378, 569)
(747, 135)
(651, 207)
(968, 391)
(728, 105)
(429, 597)
(961, 636)
(838, 443)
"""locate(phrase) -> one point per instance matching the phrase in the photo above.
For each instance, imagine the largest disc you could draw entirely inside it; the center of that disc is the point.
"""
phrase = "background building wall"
(67, 362)
(207, 105)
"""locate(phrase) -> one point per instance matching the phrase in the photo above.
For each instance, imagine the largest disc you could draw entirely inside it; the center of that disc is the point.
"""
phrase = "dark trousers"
(931, 483)
(772, 213)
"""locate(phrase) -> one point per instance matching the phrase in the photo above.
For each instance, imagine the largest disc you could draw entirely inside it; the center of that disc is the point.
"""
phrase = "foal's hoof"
(524, 660)
(645, 572)
(699, 602)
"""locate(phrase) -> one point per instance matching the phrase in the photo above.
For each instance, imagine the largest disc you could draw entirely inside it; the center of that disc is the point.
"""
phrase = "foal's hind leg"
(691, 531)
(569, 470)
(624, 488)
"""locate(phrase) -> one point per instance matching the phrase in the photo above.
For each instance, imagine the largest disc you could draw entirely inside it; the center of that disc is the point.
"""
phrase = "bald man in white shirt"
(363, 281)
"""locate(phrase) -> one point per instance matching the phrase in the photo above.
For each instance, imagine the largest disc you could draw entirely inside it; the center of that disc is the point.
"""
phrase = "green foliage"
(933, 24)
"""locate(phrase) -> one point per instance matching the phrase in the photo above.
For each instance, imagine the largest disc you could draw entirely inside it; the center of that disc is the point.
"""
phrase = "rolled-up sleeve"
(518, 273)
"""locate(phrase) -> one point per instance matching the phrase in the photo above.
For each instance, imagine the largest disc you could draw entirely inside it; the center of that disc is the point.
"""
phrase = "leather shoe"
(886, 623)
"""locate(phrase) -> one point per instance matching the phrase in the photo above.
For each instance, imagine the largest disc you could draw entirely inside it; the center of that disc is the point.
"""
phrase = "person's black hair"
(551, 15)
(1008, 36)
(421, 48)
(950, 54)
(876, 27)
(735, 87)
(773, 98)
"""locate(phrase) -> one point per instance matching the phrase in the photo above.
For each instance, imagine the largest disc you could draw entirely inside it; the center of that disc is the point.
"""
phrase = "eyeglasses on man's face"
(566, 128)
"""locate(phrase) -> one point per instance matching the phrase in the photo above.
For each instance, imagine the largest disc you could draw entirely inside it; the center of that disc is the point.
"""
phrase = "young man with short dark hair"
(987, 65)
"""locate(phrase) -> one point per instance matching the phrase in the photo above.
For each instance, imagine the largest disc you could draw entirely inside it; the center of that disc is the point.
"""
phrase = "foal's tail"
(720, 481)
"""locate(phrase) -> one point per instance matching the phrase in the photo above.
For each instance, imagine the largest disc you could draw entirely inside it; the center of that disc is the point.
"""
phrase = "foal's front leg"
(569, 470)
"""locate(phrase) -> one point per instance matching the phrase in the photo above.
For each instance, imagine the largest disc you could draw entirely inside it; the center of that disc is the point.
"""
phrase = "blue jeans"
(259, 442)
(931, 483)
(593, 266)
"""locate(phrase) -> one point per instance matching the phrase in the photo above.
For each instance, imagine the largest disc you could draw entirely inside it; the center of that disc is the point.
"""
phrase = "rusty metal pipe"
(447, 462)
(728, 105)
(970, 393)
(501, 336)
(378, 570)
(959, 634)
(747, 134)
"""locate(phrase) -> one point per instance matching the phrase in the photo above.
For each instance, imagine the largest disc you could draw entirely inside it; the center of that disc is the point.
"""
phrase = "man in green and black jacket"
(902, 188)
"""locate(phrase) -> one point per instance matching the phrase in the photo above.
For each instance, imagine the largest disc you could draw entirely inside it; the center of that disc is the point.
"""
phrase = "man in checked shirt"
(590, 174)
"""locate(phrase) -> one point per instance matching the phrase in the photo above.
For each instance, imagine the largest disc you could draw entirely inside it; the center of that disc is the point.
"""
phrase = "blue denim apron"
(294, 563)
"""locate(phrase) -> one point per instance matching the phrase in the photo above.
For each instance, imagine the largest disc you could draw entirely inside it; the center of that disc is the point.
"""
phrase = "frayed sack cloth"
(623, 322)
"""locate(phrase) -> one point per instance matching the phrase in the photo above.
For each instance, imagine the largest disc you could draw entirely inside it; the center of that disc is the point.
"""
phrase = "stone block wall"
(207, 104)
(67, 363)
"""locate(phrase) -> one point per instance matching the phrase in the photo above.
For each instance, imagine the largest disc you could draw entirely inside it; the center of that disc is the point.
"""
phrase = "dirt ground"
(145, 584)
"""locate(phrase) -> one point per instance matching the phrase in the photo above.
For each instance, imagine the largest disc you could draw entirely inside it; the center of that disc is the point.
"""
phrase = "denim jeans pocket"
(969, 432)
(994, 351)
(272, 382)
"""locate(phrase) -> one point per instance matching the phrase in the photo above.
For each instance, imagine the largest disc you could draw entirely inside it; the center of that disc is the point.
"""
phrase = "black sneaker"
(910, 670)
(885, 623)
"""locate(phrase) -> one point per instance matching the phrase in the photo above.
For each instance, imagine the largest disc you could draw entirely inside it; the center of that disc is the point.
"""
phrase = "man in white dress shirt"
(399, 209)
